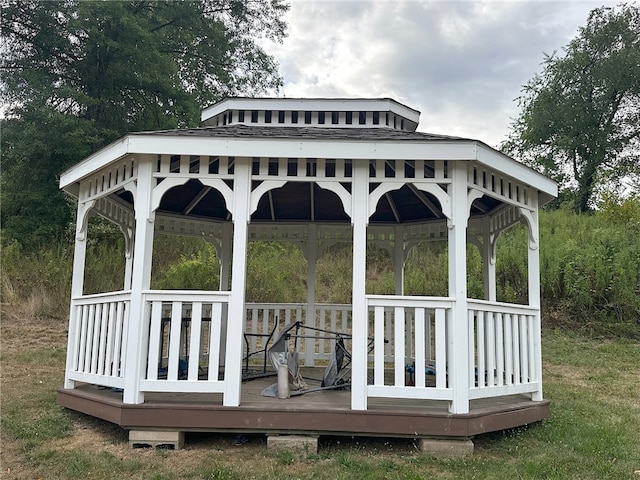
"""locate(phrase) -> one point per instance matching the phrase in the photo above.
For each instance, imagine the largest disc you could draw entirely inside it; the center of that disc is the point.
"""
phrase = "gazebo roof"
(310, 132)
(354, 130)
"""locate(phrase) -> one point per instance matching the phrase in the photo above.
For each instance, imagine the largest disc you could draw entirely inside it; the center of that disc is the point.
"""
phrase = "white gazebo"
(314, 172)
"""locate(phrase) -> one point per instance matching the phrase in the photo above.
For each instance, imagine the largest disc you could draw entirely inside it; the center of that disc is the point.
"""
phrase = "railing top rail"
(275, 305)
(186, 296)
(408, 301)
(475, 304)
(341, 306)
(317, 306)
(107, 296)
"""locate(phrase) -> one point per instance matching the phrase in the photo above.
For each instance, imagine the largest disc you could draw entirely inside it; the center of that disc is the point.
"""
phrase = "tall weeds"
(590, 270)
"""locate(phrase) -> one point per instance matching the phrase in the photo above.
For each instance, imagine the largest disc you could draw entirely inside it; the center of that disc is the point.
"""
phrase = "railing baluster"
(399, 346)
(88, 340)
(429, 336)
(408, 335)
(254, 330)
(108, 366)
(333, 320)
(420, 364)
(266, 313)
(472, 341)
(322, 323)
(499, 349)
(441, 349)
(79, 312)
(379, 346)
(194, 341)
(155, 341)
(120, 338)
(103, 338)
(524, 349)
(482, 371)
(214, 341)
(174, 341)
(491, 350)
(515, 341)
(389, 336)
(533, 375)
(508, 350)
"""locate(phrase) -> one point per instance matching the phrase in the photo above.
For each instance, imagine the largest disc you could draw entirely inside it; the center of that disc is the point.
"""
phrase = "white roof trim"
(96, 161)
(167, 144)
(507, 165)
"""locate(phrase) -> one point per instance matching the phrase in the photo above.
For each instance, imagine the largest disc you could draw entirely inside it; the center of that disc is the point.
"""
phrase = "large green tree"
(580, 117)
(78, 74)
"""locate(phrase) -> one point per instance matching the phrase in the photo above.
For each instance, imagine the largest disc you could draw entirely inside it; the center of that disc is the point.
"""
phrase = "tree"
(79, 74)
(580, 118)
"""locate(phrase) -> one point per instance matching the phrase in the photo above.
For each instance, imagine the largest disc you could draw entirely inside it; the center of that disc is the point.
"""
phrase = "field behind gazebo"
(591, 362)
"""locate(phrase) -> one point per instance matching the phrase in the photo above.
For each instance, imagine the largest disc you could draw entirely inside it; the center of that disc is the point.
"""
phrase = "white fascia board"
(404, 111)
(301, 148)
(94, 162)
(517, 170)
(311, 148)
(273, 147)
(312, 104)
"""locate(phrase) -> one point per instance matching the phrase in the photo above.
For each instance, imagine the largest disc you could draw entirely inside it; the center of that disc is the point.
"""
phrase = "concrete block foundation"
(156, 438)
(296, 444)
(449, 448)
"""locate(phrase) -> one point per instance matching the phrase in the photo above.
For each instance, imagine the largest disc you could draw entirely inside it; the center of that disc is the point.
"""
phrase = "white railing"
(99, 323)
(408, 339)
(186, 337)
(329, 320)
(265, 322)
(407, 336)
(315, 338)
(504, 349)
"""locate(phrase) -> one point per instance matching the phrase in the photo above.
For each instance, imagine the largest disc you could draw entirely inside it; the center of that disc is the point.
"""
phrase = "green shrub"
(36, 284)
(276, 272)
(590, 268)
(199, 271)
(426, 270)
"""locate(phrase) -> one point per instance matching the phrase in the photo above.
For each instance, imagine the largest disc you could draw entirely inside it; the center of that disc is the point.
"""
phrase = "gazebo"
(313, 172)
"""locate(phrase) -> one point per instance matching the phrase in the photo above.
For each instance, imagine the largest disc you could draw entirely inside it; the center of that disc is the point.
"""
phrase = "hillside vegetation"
(590, 270)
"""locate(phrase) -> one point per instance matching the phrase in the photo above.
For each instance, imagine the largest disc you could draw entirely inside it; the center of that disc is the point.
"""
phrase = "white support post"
(359, 219)
(458, 341)
(398, 258)
(137, 325)
(77, 285)
(534, 294)
(311, 252)
(236, 318)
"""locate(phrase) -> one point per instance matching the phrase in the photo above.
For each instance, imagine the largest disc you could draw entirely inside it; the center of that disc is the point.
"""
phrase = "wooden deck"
(319, 413)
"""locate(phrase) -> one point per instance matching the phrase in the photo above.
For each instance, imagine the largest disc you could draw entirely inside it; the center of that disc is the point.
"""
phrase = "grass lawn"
(593, 432)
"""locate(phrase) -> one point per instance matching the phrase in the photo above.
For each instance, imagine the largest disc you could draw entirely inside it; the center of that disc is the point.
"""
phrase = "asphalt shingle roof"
(312, 133)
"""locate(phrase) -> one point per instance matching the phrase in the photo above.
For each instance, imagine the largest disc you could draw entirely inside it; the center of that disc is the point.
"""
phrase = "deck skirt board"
(318, 413)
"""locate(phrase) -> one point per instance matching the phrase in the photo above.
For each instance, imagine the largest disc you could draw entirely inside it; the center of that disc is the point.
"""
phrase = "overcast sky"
(462, 64)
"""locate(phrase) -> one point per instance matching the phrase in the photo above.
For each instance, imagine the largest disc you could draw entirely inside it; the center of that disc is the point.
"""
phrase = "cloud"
(461, 64)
